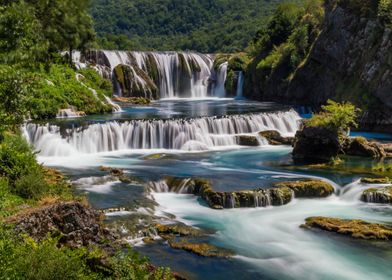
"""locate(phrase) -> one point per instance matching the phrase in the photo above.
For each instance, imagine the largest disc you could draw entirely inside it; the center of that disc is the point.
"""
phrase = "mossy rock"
(384, 180)
(247, 140)
(378, 195)
(133, 100)
(308, 188)
(201, 249)
(134, 82)
(354, 228)
(116, 172)
(177, 230)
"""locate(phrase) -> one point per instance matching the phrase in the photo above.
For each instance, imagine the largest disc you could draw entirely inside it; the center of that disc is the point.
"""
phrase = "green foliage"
(14, 93)
(338, 117)
(23, 258)
(385, 12)
(202, 25)
(20, 42)
(36, 31)
(58, 88)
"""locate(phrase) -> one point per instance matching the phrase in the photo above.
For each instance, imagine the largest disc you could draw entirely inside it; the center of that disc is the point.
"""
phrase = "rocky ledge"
(354, 228)
(315, 145)
(279, 194)
(378, 195)
(77, 224)
(384, 180)
(275, 138)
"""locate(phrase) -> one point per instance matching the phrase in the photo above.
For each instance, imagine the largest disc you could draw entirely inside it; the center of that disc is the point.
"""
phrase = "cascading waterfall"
(220, 90)
(174, 74)
(240, 85)
(179, 134)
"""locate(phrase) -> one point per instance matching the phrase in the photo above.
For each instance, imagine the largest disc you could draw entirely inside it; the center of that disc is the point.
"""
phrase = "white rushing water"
(271, 240)
(182, 134)
(240, 85)
(176, 74)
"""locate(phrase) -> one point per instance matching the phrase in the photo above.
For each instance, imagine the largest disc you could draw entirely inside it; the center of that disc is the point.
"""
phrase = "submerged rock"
(275, 138)
(201, 249)
(177, 230)
(113, 171)
(378, 195)
(308, 188)
(359, 146)
(384, 180)
(247, 140)
(315, 145)
(354, 228)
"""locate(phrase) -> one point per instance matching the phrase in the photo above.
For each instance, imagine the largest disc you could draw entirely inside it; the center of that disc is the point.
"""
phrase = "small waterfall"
(180, 134)
(240, 85)
(220, 90)
(174, 74)
(159, 187)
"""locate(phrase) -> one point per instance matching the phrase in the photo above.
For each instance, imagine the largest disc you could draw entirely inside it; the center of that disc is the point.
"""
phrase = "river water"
(268, 242)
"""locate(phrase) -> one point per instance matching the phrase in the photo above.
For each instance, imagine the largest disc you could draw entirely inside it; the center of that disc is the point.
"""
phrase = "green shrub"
(16, 158)
(31, 186)
(338, 117)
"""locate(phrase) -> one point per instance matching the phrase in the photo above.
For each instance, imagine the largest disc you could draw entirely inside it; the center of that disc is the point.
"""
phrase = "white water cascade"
(240, 85)
(197, 134)
(174, 74)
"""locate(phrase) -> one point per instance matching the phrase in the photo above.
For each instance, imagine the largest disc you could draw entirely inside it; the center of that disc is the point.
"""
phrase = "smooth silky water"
(268, 242)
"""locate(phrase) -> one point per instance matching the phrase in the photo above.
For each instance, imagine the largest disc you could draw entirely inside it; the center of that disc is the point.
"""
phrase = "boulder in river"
(315, 145)
(384, 180)
(359, 146)
(354, 228)
(247, 140)
(378, 195)
(201, 249)
(308, 188)
(275, 138)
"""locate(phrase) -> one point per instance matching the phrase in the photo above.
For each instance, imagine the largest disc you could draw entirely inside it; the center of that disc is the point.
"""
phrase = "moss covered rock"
(359, 146)
(378, 195)
(177, 230)
(354, 228)
(201, 249)
(308, 188)
(384, 180)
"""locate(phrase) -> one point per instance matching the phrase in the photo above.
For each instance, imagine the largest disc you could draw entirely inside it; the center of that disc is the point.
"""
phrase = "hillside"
(203, 25)
(337, 49)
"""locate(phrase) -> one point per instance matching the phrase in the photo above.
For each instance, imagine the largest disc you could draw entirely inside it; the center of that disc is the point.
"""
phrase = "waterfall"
(240, 85)
(178, 134)
(174, 74)
(220, 90)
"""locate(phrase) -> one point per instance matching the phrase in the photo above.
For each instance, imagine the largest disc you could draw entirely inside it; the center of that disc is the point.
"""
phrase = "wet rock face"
(274, 138)
(315, 145)
(378, 195)
(78, 225)
(353, 228)
(247, 140)
(361, 147)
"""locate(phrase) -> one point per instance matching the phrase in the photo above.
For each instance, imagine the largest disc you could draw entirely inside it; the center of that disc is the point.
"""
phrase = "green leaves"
(338, 117)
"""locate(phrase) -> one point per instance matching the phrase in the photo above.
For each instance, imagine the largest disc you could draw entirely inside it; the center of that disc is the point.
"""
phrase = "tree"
(338, 117)
(21, 40)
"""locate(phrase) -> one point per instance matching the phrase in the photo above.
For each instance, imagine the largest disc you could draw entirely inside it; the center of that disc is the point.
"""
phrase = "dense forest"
(205, 26)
